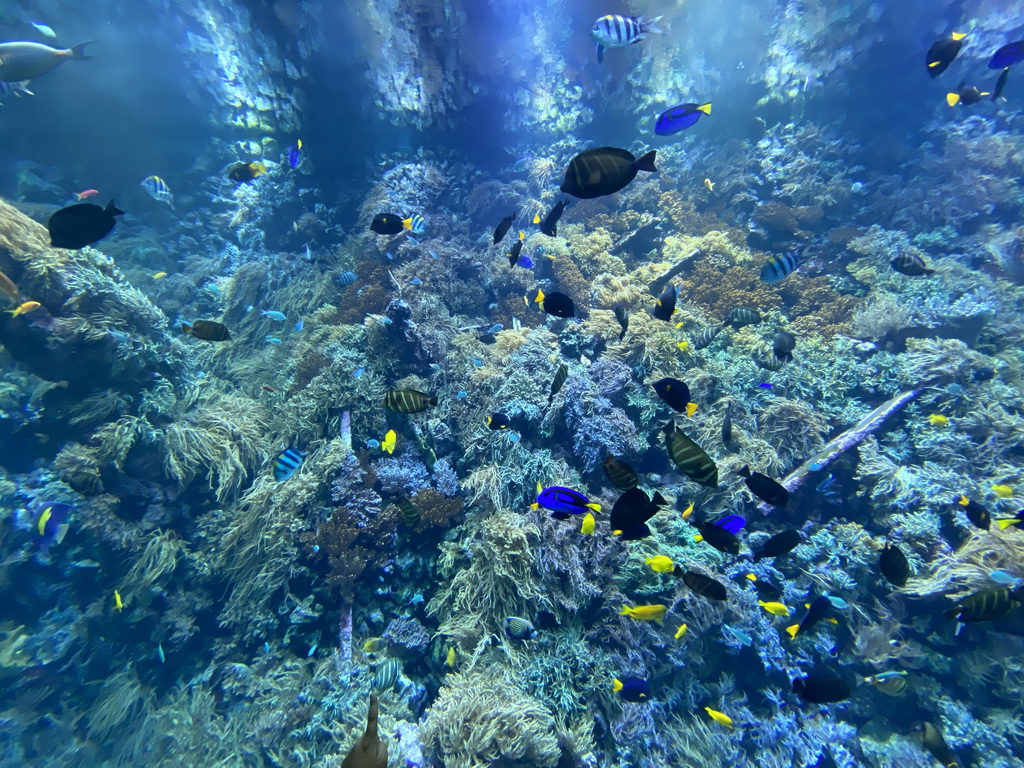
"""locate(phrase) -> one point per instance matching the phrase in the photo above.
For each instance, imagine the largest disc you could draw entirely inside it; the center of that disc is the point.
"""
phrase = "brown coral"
(436, 510)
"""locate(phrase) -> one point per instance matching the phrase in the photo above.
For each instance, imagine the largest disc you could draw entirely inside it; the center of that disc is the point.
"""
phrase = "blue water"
(262, 456)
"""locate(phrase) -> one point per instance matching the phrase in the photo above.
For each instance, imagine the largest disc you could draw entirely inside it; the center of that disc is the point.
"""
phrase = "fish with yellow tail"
(775, 609)
(589, 523)
(645, 612)
(688, 511)
(118, 603)
(938, 420)
(388, 443)
(24, 308)
(719, 717)
(660, 564)
(681, 631)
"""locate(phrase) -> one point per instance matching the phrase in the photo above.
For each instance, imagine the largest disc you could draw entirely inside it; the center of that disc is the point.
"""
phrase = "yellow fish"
(389, 441)
(683, 345)
(25, 308)
(1003, 491)
(938, 420)
(691, 408)
(374, 645)
(159, 275)
(118, 604)
(719, 717)
(588, 524)
(660, 564)
(709, 184)
(775, 609)
(752, 577)
(681, 631)
(450, 658)
(688, 511)
(540, 297)
(535, 506)
(536, 218)
(645, 612)
(678, 326)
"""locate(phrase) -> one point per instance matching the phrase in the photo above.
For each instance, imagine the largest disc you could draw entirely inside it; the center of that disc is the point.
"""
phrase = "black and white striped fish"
(780, 267)
(615, 31)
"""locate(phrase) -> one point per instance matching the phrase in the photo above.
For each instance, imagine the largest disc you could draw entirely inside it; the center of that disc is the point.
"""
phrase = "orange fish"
(85, 194)
(268, 389)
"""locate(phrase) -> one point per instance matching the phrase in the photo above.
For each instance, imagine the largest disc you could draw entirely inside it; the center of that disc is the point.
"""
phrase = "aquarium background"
(199, 611)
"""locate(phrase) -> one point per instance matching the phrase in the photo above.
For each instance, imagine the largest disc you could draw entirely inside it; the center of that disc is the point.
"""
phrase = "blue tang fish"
(564, 502)
(680, 118)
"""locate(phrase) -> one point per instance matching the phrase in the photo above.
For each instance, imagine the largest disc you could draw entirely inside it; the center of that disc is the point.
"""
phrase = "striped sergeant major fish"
(287, 463)
(615, 31)
(778, 268)
(157, 188)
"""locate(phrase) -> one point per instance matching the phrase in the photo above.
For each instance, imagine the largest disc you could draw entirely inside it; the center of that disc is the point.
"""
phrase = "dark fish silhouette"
(80, 225)
(765, 488)
(503, 227)
(894, 565)
(604, 171)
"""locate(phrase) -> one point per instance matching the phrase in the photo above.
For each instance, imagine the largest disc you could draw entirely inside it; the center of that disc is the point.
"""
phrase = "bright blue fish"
(462, 394)
(390, 255)
(432, 254)
(1006, 579)
(838, 602)
(53, 522)
(564, 502)
(298, 326)
(1007, 56)
(271, 340)
(680, 118)
(373, 444)
(525, 261)
(731, 523)
(287, 463)
(358, 372)
(738, 635)
(477, 363)
(294, 156)
(415, 281)
(412, 240)
(765, 385)
(779, 267)
(273, 314)
(495, 328)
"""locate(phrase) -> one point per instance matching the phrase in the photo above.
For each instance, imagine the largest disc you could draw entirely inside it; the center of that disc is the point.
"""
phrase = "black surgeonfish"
(894, 565)
(689, 457)
(822, 686)
(703, 585)
(633, 509)
(517, 249)
(503, 227)
(665, 306)
(207, 330)
(621, 475)
(911, 265)
(550, 224)
(555, 304)
(674, 392)
(77, 226)
(765, 488)
(719, 538)
(976, 513)
(604, 171)
(778, 545)
(942, 53)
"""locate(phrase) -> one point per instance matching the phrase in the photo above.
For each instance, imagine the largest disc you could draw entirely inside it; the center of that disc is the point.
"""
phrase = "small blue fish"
(43, 29)
(390, 255)
(816, 467)
(266, 647)
(477, 363)
(273, 314)
(838, 602)
(358, 372)
(765, 385)
(495, 328)
(372, 444)
(298, 326)
(309, 256)
(826, 484)
(213, 287)
(525, 261)
(435, 367)
(249, 308)
(432, 254)
(119, 335)
(680, 118)
(160, 653)
(512, 437)
(312, 649)
(731, 523)
(287, 462)
(1006, 579)
(738, 635)
(271, 340)
(462, 394)
(294, 154)
(412, 240)
(415, 281)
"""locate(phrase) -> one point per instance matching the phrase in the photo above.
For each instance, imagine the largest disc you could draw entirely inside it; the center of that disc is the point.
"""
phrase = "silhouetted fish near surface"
(620, 474)
(942, 52)
(503, 227)
(690, 458)
(603, 171)
(82, 224)
(680, 118)
(778, 545)
(822, 686)
(894, 565)
(665, 305)
(622, 316)
(765, 488)
(408, 401)
(27, 61)
(550, 224)
(910, 264)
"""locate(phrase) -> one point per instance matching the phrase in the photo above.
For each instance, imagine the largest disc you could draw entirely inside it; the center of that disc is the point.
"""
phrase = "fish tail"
(705, 108)
(186, 328)
(594, 506)
(624, 611)
(432, 401)
(650, 26)
(646, 163)
(791, 631)
(1002, 525)
(407, 223)
(952, 99)
(78, 51)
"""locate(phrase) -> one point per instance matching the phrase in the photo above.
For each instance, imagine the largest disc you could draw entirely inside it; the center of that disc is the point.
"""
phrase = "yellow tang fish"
(1003, 491)
(683, 345)
(938, 420)
(775, 609)
(588, 524)
(118, 604)
(681, 631)
(688, 511)
(389, 441)
(645, 612)
(660, 564)
(450, 658)
(719, 717)
(25, 308)
(159, 275)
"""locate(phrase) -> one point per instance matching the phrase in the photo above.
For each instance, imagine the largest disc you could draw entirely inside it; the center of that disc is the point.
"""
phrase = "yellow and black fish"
(410, 513)
(942, 53)
(690, 458)
(976, 513)
(988, 605)
(408, 401)
(243, 172)
(934, 742)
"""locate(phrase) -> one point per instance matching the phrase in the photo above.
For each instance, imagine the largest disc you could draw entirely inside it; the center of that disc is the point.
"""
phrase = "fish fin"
(407, 223)
(745, 472)
(186, 328)
(1002, 525)
(959, 35)
(600, 53)
(952, 99)
(535, 506)
(646, 163)
(540, 296)
(963, 501)
(649, 26)
(594, 506)
(113, 210)
(78, 51)
(658, 499)
(985, 93)
(705, 108)
(691, 408)
(791, 631)
(432, 401)
(616, 685)
(624, 611)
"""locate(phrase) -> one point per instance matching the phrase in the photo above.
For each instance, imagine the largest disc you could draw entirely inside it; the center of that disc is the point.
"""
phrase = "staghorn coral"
(482, 718)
